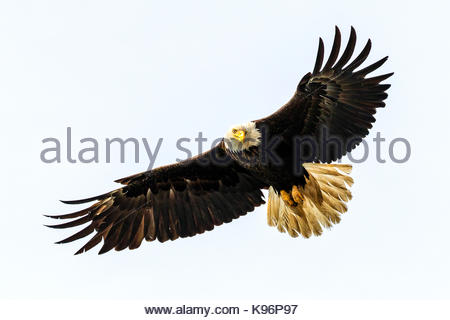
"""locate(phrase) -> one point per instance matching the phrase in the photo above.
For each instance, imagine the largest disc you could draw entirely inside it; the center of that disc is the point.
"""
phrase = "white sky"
(170, 69)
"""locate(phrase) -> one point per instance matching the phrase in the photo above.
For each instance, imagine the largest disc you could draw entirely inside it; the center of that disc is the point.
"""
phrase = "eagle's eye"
(234, 130)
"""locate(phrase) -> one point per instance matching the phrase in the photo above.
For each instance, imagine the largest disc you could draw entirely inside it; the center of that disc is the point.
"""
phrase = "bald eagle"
(306, 192)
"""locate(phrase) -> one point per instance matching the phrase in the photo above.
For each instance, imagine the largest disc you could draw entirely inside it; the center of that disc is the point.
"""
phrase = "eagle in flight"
(283, 153)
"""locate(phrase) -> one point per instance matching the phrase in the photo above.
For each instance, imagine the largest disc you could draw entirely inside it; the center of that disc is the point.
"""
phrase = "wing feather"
(334, 51)
(348, 52)
(336, 101)
(167, 203)
(319, 58)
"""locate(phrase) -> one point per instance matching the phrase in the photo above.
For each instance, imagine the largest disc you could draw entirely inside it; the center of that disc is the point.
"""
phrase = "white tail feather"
(325, 195)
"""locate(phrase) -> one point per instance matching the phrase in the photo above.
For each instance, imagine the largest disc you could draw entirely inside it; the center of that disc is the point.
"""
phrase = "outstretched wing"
(334, 103)
(180, 200)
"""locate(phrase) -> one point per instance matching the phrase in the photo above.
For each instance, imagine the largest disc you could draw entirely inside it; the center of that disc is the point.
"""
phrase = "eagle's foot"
(286, 196)
(297, 195)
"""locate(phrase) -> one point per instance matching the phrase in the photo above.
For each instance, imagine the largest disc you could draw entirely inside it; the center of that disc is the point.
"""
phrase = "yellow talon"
(297, 195)
(287, 198)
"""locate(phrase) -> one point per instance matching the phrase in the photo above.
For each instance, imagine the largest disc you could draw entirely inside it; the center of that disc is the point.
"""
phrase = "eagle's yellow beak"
(239, 135)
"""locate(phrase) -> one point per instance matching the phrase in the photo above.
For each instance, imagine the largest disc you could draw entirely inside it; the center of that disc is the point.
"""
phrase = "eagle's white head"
(242, 137)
